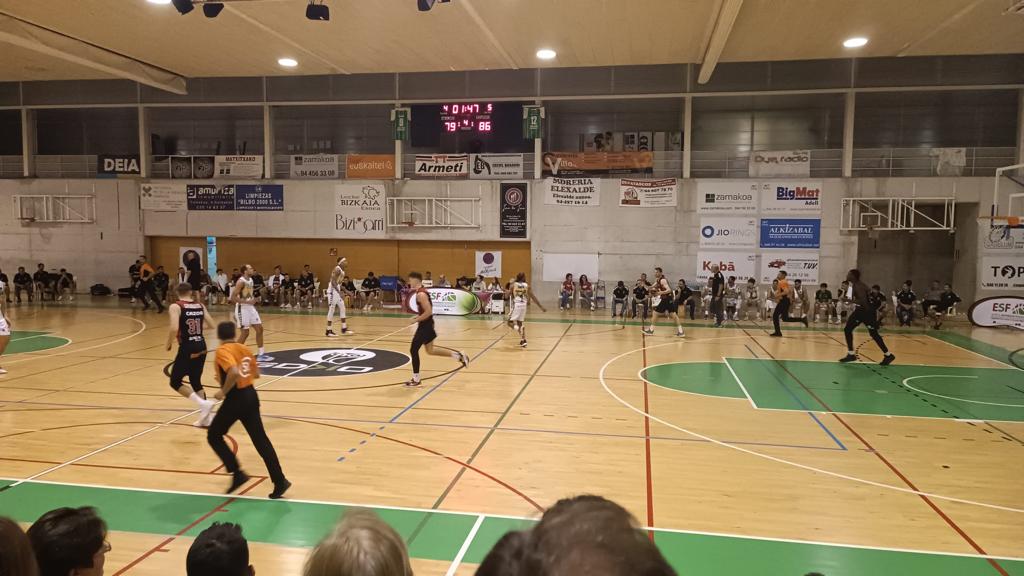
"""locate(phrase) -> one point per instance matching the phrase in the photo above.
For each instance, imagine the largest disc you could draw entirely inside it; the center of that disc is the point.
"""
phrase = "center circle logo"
(707, 231)
(320, 362)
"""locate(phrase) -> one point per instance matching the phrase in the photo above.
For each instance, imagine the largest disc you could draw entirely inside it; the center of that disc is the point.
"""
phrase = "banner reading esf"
(441, 165)
(118, 164)
(313, 166)
(210, 197)
(802, 266)
(998, 311)
(495, 166)
(446, 301)
(359, 211)
(648, 193)
(513, 218)
(790, 233)
(572, 191)
(259, 197)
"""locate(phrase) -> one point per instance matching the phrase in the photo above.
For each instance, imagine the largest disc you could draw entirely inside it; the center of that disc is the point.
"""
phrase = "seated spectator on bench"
(305, 288)
(587, 292)
(70, 541)
(360, 545)
(220, 550)
(66, 285)
(22, 283)
(428, 281)
(43, 282)
(443, 282)
(479, 285)
(371, 288)
(566, 293)
(16, 556)
(620, 295)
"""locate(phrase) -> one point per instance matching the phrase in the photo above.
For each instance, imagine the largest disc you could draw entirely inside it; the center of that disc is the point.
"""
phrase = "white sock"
(415, 377)
(456, 356)
(344, 325)
(197, 399)
(849, 353)
(261, 351)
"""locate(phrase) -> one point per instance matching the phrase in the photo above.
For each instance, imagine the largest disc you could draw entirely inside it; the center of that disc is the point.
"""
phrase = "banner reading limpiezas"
(572, 191)
(514, 209)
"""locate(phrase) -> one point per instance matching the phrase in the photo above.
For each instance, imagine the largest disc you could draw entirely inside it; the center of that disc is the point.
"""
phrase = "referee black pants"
(147, 292)
(782, 313)
(242, 404)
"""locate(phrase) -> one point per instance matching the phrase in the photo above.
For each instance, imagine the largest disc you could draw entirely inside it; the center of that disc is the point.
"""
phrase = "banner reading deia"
(648, 193)
(441, 165)
(513, 218)
(313, 166)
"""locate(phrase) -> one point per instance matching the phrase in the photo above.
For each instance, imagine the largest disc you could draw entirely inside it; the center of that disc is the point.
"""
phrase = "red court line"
(647, 444)
(949, 521)
(166, 541)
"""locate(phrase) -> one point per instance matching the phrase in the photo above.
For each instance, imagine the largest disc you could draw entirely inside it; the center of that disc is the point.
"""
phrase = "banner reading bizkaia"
(359, 210)
(572, 191)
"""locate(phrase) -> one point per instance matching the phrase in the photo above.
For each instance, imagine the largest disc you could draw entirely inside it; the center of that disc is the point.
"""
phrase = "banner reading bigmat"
(648, 193)
(793, 196)
(513, 218)
(572, 191)
(441, 165)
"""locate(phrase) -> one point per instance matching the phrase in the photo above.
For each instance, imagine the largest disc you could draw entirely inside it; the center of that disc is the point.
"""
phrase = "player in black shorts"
(666, 304)
(419, 303)
(865, 312)
(187, 320)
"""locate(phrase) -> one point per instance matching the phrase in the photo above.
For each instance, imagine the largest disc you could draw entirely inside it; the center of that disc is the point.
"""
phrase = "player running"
(863, 313)
(187, 320)
(664, 303)
(5, 324)
(335, 299)
(419, 303)
(521, 296)
(243, 297)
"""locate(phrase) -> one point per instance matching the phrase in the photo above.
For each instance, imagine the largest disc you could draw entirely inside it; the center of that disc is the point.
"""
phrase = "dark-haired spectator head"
(506, 558)
(591, 535)
(220, 550)
(360, 545)
(16, 556)
(70, 542)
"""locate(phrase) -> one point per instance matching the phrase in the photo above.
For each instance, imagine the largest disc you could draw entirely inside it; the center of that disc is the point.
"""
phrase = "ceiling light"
(319, 11)
(288, 62)
(212, 9)
(159, 1)
(183, 6)
(855, 42)
(546, 54)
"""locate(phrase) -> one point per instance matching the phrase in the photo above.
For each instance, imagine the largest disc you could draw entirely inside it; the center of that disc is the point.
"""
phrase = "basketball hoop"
(872, 232)
(26, 220)
(409, 223)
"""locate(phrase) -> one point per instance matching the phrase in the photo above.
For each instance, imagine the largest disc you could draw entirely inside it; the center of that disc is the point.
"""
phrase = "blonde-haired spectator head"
(360, 545)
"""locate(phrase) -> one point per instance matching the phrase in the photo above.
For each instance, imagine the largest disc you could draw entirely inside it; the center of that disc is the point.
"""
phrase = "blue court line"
(806, 409)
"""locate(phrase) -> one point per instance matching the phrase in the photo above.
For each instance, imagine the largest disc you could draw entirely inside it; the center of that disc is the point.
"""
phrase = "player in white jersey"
(520, 297)
(336, 299)
(5, 324)
(246, 316)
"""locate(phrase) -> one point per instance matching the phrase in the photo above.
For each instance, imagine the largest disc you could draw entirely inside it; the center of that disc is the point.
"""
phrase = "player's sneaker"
(205, 414)
(850, 358)
(522, 343)
(412, 383)
(237, 480)
(680, 334)
(647, 332)
(264, 358)
(2, 371)
(888, 359)
(330, 333)
(279, 490)
(464, 358)
(347, 332)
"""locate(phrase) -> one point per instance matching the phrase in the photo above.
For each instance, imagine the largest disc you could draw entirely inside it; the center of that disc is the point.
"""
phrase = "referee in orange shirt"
(147, 287)
(236, 371)
(784, 296)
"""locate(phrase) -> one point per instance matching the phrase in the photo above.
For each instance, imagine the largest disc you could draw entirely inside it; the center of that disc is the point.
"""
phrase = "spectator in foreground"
(70, 541)
(506, 558)
(220, 550)
(16, 556)
(360, 545)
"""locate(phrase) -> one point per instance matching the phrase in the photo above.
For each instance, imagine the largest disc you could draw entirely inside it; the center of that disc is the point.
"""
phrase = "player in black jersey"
(187, 321)
(865, 312)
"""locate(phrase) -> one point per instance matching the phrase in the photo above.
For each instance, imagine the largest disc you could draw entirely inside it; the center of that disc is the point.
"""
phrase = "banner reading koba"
(742, 265)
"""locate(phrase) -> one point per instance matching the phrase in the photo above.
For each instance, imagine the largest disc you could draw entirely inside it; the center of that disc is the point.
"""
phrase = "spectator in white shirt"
(274, 285)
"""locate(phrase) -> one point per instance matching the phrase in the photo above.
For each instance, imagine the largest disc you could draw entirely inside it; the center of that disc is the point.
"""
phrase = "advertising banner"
(370, 166)
(514, 210)
(1002, 272)
(495, 166)
(595, 163)
(116, 164)
(648, 193)
(724, 197)
(452, 302)
(802, 266)
(238, 166)
(728, 232)
(161, 196)
(742, 265)
(782, 196)
(998, 311)
(359, 210)
(314, 166)
(210, 197)
(259, 197)
(186, 253)
(441, 165)
(999, 238)
(790, 233)
(774, 163)
(192, 167)
(572, 191)
(488, 264)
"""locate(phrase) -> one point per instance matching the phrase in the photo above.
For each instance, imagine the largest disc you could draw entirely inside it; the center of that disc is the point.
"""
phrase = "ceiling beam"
(967, 8)
(468, 6)
(26, 35)
(269, 30)
(719, 37)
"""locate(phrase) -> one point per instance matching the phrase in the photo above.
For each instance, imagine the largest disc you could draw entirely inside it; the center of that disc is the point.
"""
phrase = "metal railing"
(11, 167)
(732, 164)
(65, 166)
(882, 162)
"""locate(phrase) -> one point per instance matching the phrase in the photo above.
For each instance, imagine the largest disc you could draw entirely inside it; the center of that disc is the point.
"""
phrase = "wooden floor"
(747, 454)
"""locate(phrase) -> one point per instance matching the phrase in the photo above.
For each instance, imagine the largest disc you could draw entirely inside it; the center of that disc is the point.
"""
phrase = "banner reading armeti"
(648, 193)
(441, 165)
(572, 191)
(359, 210)
(802, 266)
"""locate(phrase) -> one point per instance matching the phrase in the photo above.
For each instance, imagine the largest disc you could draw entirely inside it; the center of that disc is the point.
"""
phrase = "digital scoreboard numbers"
(459, 117)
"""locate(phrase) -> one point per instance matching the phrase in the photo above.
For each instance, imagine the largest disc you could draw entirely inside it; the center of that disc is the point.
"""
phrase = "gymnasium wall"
(99, 252)
(382, 257)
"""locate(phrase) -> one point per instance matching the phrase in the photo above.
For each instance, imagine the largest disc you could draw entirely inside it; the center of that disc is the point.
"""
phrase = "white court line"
(187, 414)
(604, 385)
(640, 375)
(905, 380)
(521, 518)
(122, 339)
(740, 382)
(465, 546)
(979, 355)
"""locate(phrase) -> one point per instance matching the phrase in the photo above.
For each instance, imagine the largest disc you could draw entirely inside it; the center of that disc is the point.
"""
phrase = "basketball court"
(737, 450)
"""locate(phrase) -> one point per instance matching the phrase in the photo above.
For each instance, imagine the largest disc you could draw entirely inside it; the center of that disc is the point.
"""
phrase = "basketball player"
(521, 296)
(187, 318)
(664, 303)
(863, 313)
(751, 300)
(336, 299)
(246, 316)
(419, 303)
(5, 325)
(236, 372)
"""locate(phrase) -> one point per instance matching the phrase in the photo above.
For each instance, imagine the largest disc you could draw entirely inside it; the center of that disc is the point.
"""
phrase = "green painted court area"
(896, 390)
(439, 535)
(28, 341)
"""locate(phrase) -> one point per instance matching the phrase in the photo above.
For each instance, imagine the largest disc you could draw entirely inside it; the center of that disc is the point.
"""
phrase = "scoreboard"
(461, 127)
(459, 117)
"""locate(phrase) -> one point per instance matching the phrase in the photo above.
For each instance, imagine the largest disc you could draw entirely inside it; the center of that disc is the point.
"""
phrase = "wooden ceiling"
(392, 36)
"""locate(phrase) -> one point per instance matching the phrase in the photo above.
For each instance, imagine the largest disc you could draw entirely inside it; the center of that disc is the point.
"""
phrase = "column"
(850, 104)
(687, 135)
(268, 142)
(28, 142)
(145, 143)
(538, 151)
